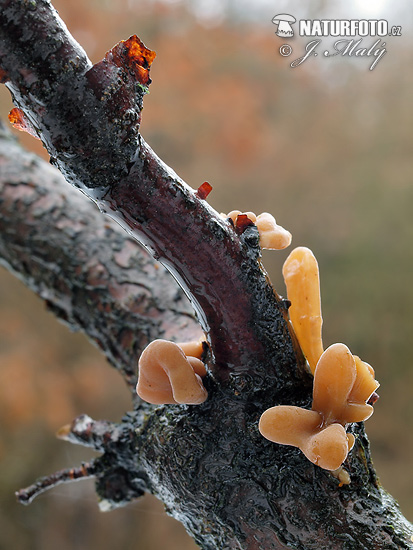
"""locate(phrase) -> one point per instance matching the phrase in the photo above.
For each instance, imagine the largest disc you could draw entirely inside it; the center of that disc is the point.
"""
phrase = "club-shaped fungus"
(272, 235)
(168, 375)
(301, 276)
(341, 389)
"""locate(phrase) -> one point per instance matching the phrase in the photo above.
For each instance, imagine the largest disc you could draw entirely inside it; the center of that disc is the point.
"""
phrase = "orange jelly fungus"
(342, 385)
(168, 375)
(203, 190)
(19, 121)
(288, 425)
(134, 55)
(301, 276)
(272, 235)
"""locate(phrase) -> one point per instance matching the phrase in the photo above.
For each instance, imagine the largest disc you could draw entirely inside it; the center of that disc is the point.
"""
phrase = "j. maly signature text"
(345, 47)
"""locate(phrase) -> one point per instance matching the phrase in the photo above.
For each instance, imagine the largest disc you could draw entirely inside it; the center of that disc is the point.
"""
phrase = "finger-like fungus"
(272, 235)
(341, 386)
(301, 276)
(302, 280)
(168, 375)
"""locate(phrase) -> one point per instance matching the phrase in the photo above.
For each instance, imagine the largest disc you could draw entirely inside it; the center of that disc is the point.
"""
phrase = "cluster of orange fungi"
(343, 383)
(272, 235)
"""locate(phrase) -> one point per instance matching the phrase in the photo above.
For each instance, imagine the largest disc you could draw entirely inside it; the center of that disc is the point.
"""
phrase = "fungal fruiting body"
(301, 276)
(168, 373)
(341, 389)
(326, 447)
(343, 383)
(272, 235)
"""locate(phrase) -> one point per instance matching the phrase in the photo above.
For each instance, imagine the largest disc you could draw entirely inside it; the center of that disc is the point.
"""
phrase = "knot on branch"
(117, 487)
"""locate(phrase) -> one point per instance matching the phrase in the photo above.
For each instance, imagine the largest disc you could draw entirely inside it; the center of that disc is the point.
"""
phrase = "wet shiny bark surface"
(208, 464)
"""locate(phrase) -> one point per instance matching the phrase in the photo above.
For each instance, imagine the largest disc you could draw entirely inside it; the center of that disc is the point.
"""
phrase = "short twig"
(27, 495)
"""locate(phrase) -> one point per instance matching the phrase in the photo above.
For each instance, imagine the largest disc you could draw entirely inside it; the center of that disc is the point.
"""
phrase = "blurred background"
(325, 147)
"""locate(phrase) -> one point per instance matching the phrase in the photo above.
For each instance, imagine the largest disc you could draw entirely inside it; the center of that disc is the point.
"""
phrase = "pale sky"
(215, 11)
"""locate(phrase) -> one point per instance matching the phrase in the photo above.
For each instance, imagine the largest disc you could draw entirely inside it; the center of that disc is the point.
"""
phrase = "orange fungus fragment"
(168, 375)
(21, 122)
(204, 190)
(134, 55)
(242, 222)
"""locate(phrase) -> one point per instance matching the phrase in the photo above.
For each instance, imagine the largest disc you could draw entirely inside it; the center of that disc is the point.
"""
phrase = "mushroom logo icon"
(284, 21)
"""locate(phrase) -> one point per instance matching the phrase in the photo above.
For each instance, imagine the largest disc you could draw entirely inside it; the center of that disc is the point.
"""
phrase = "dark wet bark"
(209, 465)
(91, 274)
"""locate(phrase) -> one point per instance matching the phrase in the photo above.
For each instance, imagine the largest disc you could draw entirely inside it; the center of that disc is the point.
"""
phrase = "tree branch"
(209, 464)
(90, 273)
(85, 471)
(115, 167)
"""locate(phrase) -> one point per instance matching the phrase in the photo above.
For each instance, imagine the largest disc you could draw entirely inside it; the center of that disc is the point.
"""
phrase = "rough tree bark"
(229, 486)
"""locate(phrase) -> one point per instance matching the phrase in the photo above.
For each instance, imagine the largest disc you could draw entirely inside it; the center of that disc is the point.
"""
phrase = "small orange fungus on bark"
(341, 388)
(344, 385)
(193, 349)
(133, 55)
(326, 447)
(21, 122)
(204, 190)
(168, 375)
(301, 276)
(272, 235)
(334, 378)
(365, 385)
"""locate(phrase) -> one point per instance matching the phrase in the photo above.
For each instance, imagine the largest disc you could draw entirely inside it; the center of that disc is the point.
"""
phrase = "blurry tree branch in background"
(90, 273)
(208, 464)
